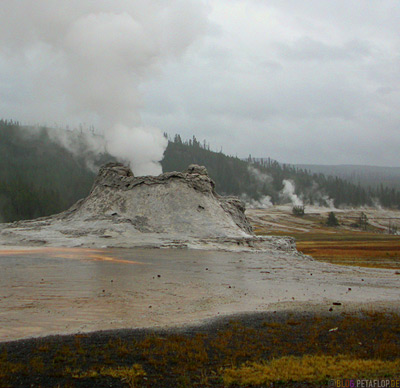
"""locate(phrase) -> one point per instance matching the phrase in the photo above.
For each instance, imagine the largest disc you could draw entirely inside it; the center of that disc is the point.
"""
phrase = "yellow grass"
(294, 348)
(129, 375)
(310, 368)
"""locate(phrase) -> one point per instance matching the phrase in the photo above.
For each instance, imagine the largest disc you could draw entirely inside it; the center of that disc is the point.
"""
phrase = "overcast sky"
(315, 81)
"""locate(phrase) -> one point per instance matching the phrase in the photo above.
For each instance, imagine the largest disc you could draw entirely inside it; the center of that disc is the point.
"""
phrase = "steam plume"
(288, 192)
(262, 203)
(261, 177)
(95, 55)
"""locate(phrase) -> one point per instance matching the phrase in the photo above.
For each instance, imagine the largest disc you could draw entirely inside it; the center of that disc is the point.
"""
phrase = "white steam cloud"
(327, 201)
(288, 193)
(262, 178)
(94, 57)
(147, 143)
(262, 203)
(319, 197)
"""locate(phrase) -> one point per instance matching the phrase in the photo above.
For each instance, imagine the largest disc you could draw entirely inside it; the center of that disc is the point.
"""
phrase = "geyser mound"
(179, 203)
(174, 209)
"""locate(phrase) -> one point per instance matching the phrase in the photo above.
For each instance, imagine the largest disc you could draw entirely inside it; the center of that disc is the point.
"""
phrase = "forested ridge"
(365, 175)
(38, 176)
(256, 178)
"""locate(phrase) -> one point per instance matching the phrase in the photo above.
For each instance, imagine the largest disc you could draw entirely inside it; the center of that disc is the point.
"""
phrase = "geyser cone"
(179, 203)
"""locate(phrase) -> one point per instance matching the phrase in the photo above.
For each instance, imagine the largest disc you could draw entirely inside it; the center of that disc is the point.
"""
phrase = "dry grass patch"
(344, 247)
(310, 368)
(208, 356)
(367, 253)
(130, 375)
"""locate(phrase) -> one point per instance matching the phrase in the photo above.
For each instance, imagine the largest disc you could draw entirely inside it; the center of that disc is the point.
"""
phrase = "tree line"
(38, 177)
(256, 178)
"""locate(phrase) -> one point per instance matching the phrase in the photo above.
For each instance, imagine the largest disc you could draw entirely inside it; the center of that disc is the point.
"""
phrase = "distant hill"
(366, 176)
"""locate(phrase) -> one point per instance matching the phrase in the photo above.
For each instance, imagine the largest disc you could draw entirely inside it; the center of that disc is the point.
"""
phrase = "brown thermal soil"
(346, 244)
(205, 355)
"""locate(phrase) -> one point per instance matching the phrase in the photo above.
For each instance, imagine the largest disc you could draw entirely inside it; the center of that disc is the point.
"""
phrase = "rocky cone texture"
(183, 203)
(175, 209)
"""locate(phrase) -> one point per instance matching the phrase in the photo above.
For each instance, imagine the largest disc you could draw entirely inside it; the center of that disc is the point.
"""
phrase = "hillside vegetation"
(259, 179)
(366, 176)
(39, 176)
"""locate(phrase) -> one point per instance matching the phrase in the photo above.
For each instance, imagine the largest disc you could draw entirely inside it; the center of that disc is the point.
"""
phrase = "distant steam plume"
(328, 202)
(288, 193)
(94, 55)
(263, 182)
(262, 203)
(262, 178)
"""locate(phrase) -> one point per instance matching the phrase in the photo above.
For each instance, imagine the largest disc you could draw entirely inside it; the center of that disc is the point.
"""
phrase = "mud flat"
(69, 290)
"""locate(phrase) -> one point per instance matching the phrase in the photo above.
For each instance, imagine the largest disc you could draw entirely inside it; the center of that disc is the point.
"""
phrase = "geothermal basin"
(69, 290)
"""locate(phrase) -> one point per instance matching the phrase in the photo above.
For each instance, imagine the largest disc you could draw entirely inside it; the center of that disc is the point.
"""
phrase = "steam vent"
(175, 209)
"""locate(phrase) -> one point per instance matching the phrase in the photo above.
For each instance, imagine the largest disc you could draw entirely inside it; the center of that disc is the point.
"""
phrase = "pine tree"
(332, 220)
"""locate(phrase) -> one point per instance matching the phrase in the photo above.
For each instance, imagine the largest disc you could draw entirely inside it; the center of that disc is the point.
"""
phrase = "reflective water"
(48, 291)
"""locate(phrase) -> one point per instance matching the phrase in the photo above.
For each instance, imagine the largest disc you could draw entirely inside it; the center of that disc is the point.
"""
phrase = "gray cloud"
(310, 81)
(89, 58)
(306, 82)
(308, 49)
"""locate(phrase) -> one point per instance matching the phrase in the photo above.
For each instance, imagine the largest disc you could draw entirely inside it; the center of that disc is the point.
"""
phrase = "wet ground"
(47, 290)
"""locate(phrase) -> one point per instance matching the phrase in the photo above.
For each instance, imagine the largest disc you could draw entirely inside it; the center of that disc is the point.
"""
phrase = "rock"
(236, 208)
(112, 174)
(183, 203)
(196, 169)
